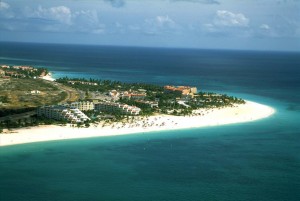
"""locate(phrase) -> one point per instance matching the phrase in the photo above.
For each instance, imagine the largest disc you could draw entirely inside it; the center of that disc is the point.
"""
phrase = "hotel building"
(183, 89)
(60, 112)
(82, 105)
(117, 107)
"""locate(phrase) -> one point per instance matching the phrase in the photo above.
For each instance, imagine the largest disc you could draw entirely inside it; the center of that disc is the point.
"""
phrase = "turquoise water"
(249, 161)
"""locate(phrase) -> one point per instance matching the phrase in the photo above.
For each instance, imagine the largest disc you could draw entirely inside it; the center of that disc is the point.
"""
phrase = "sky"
(204, 24)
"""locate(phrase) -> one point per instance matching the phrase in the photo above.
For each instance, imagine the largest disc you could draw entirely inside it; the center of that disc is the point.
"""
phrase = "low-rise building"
(193, 90)
(82, 82)
(28, 68)
(114, 94)
(126, 95)
(187, 96)
(134, 95)
(35, 92)
(152, 104)
(182, 89)
(140, 96)
(14, 74)
(82, 105)
(117, 107)
(59, 112)
(2, 73)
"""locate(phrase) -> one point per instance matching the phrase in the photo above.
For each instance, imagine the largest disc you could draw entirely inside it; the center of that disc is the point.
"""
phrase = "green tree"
(87, 124)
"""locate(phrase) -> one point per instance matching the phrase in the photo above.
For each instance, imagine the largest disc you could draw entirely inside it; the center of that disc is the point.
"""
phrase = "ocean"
(248, 161)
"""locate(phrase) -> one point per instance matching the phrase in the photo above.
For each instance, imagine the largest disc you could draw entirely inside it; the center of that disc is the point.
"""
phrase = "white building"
(35, 92)
(134, 95)
(2, 72)
(114, 94)
(82, 105)
(117, 107)
(152, 104)
(73, 115)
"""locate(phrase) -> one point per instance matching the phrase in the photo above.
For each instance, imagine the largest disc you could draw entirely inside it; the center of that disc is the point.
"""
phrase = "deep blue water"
(250, 161)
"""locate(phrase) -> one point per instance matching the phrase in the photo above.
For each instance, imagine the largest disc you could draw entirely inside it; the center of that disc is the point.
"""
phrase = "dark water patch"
(23, 156)
(52, 151)
(293, 107)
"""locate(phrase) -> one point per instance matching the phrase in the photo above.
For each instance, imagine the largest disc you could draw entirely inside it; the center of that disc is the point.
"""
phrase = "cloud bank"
(146, 21)
(229, 19)
(4, 5)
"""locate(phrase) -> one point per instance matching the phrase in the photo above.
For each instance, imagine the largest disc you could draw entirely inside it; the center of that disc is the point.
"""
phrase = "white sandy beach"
(250, 111)
(48, 77)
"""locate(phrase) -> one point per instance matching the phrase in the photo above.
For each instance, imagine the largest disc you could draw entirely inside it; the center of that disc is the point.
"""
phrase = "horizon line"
(154, 47)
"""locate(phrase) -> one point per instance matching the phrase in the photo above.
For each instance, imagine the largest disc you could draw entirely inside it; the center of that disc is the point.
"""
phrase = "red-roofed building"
(183, 89)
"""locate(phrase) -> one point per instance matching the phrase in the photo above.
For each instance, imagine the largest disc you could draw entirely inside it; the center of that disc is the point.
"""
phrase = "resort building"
(35, 92)
(187, 96)
(60, 112)
(134, 95)
(114, 94)
(2, 72)
(82, 105)
(25, 68)
(183, 89)
(152, 104)
(5, 66)
(82, 82)
(14, 74)
(117, 107)
(138, 96)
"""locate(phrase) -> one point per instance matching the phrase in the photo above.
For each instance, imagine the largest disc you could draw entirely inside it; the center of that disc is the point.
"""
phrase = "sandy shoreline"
(48, 77)
(250, 111)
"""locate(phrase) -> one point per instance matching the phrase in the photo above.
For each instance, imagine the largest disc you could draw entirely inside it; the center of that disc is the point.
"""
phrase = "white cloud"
(229, 19)
(61, 14)
(209, 27)
(160, 24)
(4, 5)
(228, 24)
(6, 11)
(62, 19)
(85, 18)
(99, 30)
(164, 21)
(264, 26)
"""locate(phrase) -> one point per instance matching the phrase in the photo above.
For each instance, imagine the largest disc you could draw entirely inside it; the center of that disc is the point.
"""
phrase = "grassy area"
(18, 93)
